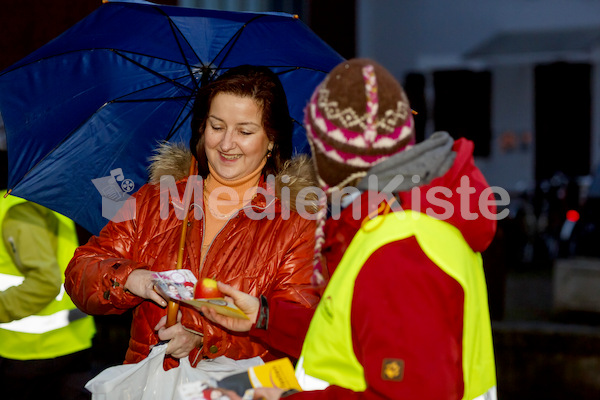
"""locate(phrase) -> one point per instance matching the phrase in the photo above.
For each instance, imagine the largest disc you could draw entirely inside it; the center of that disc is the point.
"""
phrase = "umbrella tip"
(7, 193)
(296, 16)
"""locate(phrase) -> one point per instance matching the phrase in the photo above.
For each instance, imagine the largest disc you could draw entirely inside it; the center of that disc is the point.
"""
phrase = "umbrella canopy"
(88, 108)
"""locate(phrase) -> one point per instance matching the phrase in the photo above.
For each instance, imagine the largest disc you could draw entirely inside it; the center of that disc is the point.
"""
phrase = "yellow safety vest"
(60, 328)
(330, 327)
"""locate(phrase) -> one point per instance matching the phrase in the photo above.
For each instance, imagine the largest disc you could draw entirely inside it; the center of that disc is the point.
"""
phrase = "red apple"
(207, 289)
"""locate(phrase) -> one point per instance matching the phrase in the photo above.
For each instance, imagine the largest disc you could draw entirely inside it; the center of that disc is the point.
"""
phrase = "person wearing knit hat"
(405, 313)
(351, 126)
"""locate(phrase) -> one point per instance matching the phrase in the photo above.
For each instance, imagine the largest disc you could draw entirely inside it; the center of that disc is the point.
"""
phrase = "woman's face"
(235, 140)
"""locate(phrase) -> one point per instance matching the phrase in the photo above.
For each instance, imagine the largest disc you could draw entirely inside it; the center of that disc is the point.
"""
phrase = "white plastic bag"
(148, 380)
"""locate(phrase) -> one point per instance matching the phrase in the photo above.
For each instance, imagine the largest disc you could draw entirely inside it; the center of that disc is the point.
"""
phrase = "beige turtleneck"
(223, 204)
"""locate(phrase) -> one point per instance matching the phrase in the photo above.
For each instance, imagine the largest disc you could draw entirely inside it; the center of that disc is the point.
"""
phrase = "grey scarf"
(413, 167)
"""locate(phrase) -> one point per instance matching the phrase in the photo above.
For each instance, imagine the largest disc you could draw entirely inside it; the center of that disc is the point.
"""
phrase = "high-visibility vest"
(330, 327)
(60, 328)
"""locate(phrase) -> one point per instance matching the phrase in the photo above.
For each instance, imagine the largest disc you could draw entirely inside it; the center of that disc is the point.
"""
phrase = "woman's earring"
(268, 153)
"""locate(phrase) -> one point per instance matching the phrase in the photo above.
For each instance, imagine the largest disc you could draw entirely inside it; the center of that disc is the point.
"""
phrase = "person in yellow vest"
(405, 313)
(45, 341)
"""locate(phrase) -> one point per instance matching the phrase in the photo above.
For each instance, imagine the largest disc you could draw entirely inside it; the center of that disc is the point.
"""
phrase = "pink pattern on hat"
(313, 117)
(372, 103)
(363, 160)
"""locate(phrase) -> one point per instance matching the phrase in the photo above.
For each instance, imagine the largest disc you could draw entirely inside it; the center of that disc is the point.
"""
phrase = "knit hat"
(356, 118)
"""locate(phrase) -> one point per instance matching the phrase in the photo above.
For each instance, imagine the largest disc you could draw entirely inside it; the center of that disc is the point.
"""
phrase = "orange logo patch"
(392, 369)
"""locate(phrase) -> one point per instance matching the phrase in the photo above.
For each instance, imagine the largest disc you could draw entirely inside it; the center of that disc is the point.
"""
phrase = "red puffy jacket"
(267, 256)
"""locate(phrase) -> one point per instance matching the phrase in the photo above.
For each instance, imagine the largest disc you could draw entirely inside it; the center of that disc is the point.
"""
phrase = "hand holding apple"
(207, 289)
(248, 304)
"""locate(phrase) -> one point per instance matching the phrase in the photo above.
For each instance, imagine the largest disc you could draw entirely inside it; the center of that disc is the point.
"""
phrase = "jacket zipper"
(221, 230)
(213, 239)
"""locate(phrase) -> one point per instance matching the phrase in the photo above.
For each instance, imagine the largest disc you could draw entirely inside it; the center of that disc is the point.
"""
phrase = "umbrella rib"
(292, 69)
(114, 100)
(37, 60)
(71, 134)
(121, 100)
(158, 99)
(176, 128)
(151, 71)
(117, 100)
(237, 35)
(234, 38)
(174, 29)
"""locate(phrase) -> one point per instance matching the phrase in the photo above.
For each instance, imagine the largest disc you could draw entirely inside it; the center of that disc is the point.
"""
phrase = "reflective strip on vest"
(34, 323)
(38, 324)
(7, 281)
(331, 329)
(489, 395)
(308, 382)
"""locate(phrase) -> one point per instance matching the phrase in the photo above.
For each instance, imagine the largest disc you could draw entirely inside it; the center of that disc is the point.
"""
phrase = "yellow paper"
(277, 373)
(220, 305)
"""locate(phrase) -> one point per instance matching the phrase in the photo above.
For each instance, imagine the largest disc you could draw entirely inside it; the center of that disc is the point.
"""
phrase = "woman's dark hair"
(263, 86)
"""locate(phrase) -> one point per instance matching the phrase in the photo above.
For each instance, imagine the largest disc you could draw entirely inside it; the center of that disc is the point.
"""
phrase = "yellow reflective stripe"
(38, 324)
(75, 337)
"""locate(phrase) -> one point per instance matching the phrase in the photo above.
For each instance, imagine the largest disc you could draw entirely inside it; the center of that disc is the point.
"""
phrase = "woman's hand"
(139, 282)
(250, 305)
(181, 341)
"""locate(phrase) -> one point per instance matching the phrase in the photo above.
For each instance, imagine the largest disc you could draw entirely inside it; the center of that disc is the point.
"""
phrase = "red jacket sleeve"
(287, 327)
(292, 300)
(97, 273)
(407, 317)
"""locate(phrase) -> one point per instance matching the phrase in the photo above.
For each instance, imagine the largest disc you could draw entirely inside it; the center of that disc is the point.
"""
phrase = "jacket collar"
(174, 159)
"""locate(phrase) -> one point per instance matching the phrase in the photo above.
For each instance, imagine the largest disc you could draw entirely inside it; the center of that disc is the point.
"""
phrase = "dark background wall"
(563, 117)
(27, 25)
(335, 22)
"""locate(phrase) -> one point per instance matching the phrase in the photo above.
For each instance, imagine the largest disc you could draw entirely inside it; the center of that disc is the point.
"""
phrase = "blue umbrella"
(84, 112)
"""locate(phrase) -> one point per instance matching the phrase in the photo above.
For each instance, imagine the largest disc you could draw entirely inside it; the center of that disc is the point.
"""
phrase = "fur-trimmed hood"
(298, 173)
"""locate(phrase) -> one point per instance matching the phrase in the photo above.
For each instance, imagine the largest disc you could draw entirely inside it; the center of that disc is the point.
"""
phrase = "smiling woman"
(242, 134)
